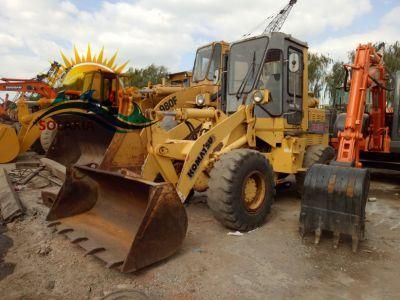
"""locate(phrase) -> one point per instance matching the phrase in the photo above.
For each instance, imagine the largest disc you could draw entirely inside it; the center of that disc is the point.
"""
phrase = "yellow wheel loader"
(262, 130)
(107, 89)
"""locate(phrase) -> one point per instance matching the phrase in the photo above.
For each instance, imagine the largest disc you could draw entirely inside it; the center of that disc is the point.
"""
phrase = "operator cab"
(207, 65)
(273, 62)
(102, 88)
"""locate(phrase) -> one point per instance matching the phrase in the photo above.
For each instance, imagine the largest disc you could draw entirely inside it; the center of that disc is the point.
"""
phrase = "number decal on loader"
(169, 104)
(200, 157)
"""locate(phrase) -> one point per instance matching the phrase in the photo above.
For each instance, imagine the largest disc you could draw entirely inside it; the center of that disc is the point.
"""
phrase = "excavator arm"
(27, 86)
(368, 73)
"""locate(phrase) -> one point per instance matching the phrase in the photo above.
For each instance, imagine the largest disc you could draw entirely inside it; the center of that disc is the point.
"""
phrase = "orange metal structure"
(335, 195)
(368, 73)
(27, 86)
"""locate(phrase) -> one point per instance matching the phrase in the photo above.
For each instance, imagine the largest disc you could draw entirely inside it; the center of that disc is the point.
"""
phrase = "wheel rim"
(253, 192)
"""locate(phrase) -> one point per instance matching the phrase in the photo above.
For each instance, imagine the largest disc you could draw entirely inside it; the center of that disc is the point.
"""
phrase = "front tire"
(241, 189)
(316, 154)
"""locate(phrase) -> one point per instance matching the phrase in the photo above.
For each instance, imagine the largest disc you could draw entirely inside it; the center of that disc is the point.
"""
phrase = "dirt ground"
(271, 262)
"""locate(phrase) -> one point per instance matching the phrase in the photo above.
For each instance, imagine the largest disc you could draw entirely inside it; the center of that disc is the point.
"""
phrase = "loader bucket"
(128, 223)
(9, 144)
(79, 140)
(334, 199)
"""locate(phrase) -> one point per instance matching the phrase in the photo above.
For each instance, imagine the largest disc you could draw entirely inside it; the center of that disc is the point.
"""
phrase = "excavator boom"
(27, 86)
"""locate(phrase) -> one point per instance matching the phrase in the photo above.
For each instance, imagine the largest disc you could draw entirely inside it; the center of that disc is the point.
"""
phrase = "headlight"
(258, 97)
(200, 100)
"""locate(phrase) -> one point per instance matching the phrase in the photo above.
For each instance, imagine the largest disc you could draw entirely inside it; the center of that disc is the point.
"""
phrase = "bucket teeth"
(126, 222)
(334, 199)
(318, 232)
(76, 236)
(354, 243)
(61, 229)
(53, 224)
(110, 259)
(114, 264)
(302, 232)
(94, 250)
(336, 239)
(91, 247)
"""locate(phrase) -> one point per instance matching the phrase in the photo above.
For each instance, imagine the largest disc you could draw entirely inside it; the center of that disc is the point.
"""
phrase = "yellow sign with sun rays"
(80, 64)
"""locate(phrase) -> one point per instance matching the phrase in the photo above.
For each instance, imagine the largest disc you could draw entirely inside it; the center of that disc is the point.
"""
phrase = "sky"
(168, 32)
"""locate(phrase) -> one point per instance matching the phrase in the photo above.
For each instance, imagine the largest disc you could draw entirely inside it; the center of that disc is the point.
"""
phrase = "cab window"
(271, 75)
(215, 62)
(96, 86)
(295, 82)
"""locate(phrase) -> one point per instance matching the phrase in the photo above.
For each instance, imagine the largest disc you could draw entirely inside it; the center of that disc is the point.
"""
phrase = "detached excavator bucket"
(128, 223)
(79, 140)
(334, 199)
(9, 144)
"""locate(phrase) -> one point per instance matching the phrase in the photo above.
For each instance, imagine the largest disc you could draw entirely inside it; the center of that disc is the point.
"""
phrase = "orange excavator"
(335, 195)
(27, 86)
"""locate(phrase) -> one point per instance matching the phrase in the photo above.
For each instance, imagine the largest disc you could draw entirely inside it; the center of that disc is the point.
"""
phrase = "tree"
(391, 57)
(318, 65)
(140, 77)
(334, 80)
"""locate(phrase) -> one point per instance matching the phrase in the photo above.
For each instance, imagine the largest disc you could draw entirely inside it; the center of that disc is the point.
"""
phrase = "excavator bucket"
(79, 140)
(334, 199)
(129, 223)
(9, 144)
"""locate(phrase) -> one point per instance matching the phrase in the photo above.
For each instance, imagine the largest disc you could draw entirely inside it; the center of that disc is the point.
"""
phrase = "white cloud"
(388, 31)
(151, 31)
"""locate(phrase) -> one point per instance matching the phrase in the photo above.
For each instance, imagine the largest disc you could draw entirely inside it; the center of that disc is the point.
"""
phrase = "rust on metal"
(331, 184)
(126, 222)
(84, 143)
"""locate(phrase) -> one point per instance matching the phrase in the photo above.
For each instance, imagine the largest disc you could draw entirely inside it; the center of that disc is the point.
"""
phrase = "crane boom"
(280, 18)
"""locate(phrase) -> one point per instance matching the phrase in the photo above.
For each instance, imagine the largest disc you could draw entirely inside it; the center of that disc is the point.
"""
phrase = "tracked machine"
(263, 129)
(335, 196)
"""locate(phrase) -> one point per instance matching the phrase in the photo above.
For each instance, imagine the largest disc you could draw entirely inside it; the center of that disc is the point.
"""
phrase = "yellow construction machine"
(129, 211)
(102, 80)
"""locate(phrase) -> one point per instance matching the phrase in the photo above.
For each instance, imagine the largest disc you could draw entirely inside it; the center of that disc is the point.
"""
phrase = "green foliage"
(328, 76)
(318, 65)
(391, 55)
(140, 77)
(334, 80)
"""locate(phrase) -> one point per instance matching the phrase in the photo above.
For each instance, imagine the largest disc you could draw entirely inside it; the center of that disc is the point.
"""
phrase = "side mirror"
(216, 76)
(260, 97)
(294, 62)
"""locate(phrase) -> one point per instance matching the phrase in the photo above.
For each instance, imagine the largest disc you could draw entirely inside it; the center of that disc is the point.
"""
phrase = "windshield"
(208, 60)
(215, 62)
(244, 62)
(87, 82)
(202, 62)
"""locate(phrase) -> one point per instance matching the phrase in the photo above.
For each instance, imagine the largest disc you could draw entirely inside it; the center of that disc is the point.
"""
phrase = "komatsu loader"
(263, 129)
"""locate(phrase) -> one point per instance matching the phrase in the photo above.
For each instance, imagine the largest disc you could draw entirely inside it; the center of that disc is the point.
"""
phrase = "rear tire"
(241, 189)
(316, 154)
